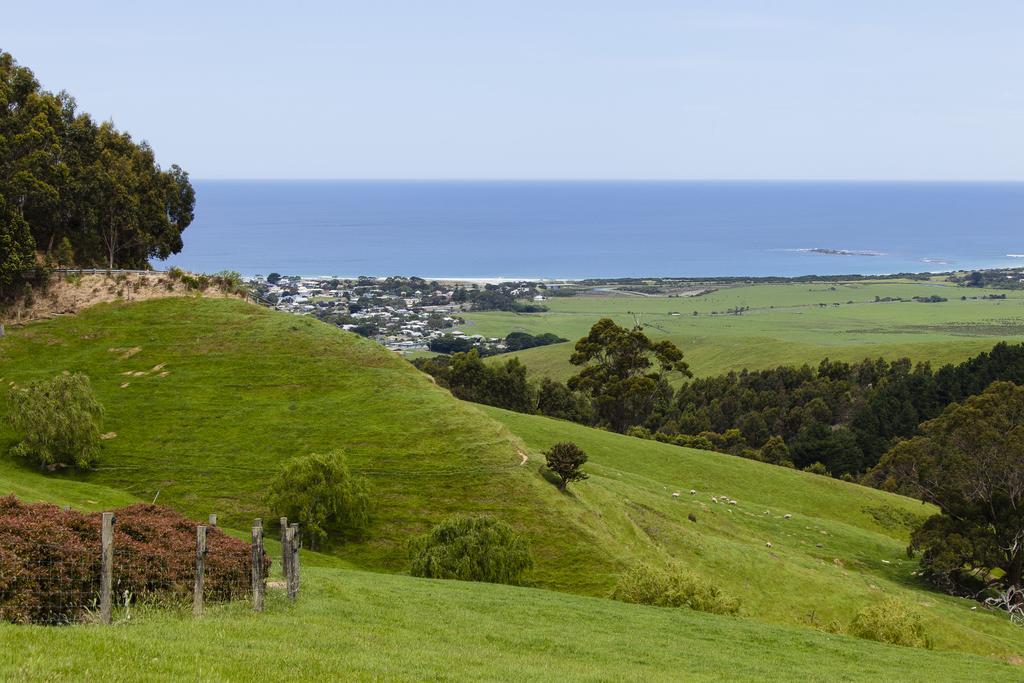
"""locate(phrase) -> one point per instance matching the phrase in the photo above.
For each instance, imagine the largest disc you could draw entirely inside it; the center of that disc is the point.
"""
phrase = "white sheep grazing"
(713, 499)
(732, 502)
(693, 492)
(769, 544)
(787, 516)
(675, 494)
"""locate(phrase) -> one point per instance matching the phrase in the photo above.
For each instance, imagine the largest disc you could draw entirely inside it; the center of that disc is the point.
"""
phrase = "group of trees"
(837, 417)
(514, 341)
(505, 296)
(76, 191)
(969, 462)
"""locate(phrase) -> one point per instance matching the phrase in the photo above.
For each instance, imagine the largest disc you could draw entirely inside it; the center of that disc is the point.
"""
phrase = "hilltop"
(205, 397)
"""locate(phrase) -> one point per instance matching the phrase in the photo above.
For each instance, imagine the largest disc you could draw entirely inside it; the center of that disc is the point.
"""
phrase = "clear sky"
(720, 89)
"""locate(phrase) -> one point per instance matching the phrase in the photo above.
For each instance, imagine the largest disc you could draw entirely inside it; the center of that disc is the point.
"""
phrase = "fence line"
(74, 570)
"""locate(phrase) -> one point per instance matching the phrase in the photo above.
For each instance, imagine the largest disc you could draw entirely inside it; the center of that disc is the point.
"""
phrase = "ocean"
(540, 229)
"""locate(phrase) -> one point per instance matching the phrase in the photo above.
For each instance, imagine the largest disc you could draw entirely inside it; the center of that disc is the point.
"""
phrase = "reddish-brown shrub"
(50, 560)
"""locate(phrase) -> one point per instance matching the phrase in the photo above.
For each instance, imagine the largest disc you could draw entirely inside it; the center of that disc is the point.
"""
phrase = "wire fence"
(59, 566)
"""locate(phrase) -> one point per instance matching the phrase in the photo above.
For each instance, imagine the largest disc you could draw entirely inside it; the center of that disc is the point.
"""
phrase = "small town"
(403, 314)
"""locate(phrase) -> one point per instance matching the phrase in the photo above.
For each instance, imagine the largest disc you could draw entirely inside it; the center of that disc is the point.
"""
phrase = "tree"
(468, 548)
(17, 247)
(554, 399)
(503, 385)
(274, 278)
(65, 253)
(84, 188)
(59, 421)
(969, 462)
(621, 372)
(776, 452)
(565, 459)
(320, 493)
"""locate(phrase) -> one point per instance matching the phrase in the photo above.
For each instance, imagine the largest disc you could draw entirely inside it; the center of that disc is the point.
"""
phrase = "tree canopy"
(80, 185)
(969, 462)
(565, 459)
(471, 548)
(319, 492)
(623, 370)
(59, 422)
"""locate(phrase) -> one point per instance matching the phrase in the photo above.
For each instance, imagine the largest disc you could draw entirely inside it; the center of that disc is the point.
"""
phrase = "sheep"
(787, 516)
(732, 502)
(768, 544)
(714, 500)
(675, 494)
(693, 492)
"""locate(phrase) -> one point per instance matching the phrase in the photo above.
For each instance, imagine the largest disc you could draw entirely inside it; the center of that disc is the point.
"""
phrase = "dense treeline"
(73, 191)
(837, 417)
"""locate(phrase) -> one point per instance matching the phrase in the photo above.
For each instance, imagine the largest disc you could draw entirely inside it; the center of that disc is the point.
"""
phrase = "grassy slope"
(247, 387)
(784, 326)
(357, 626)
(346, 619)
(861, 532)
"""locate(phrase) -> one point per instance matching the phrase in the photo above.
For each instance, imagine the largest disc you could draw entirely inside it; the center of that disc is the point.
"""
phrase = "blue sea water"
(600, 229)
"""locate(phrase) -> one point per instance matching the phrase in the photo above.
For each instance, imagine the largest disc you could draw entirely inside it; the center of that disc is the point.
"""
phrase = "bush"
(818, 468)
(469, 548)
(59, 421)
(892, 622)
(320, 493)
(50, 560)
(672, 587)
(565, 459)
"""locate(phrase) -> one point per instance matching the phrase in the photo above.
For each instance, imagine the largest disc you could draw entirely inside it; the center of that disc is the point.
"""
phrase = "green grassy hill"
(206, 397)
(350, 625)
(786, 324)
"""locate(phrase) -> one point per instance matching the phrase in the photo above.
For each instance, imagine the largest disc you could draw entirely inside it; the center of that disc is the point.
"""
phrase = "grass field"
(206, 397)
(786, 324)
(350, 625)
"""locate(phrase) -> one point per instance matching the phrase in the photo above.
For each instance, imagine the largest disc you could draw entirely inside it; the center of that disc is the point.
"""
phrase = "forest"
(836, 417)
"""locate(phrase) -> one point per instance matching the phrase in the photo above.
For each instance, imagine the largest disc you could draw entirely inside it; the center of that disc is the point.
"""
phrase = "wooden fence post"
(257, 565)
(294, 542)
(213, 519)
(285, 555)
(197, 593)
(106, 565)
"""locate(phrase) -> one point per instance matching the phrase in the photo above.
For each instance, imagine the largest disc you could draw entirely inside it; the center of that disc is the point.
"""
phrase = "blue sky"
(901, 89)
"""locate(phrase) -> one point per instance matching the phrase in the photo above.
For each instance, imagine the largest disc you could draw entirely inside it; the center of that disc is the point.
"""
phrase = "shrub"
(59, 421)
(565, 460)
(321, 494)
(890, 621)
(469, 548)
(818, 468)
(50, 560)
(673, 586)
(65, 253)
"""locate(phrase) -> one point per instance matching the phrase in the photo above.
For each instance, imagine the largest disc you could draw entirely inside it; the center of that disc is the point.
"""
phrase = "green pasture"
(785, 324)
(204, 398)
